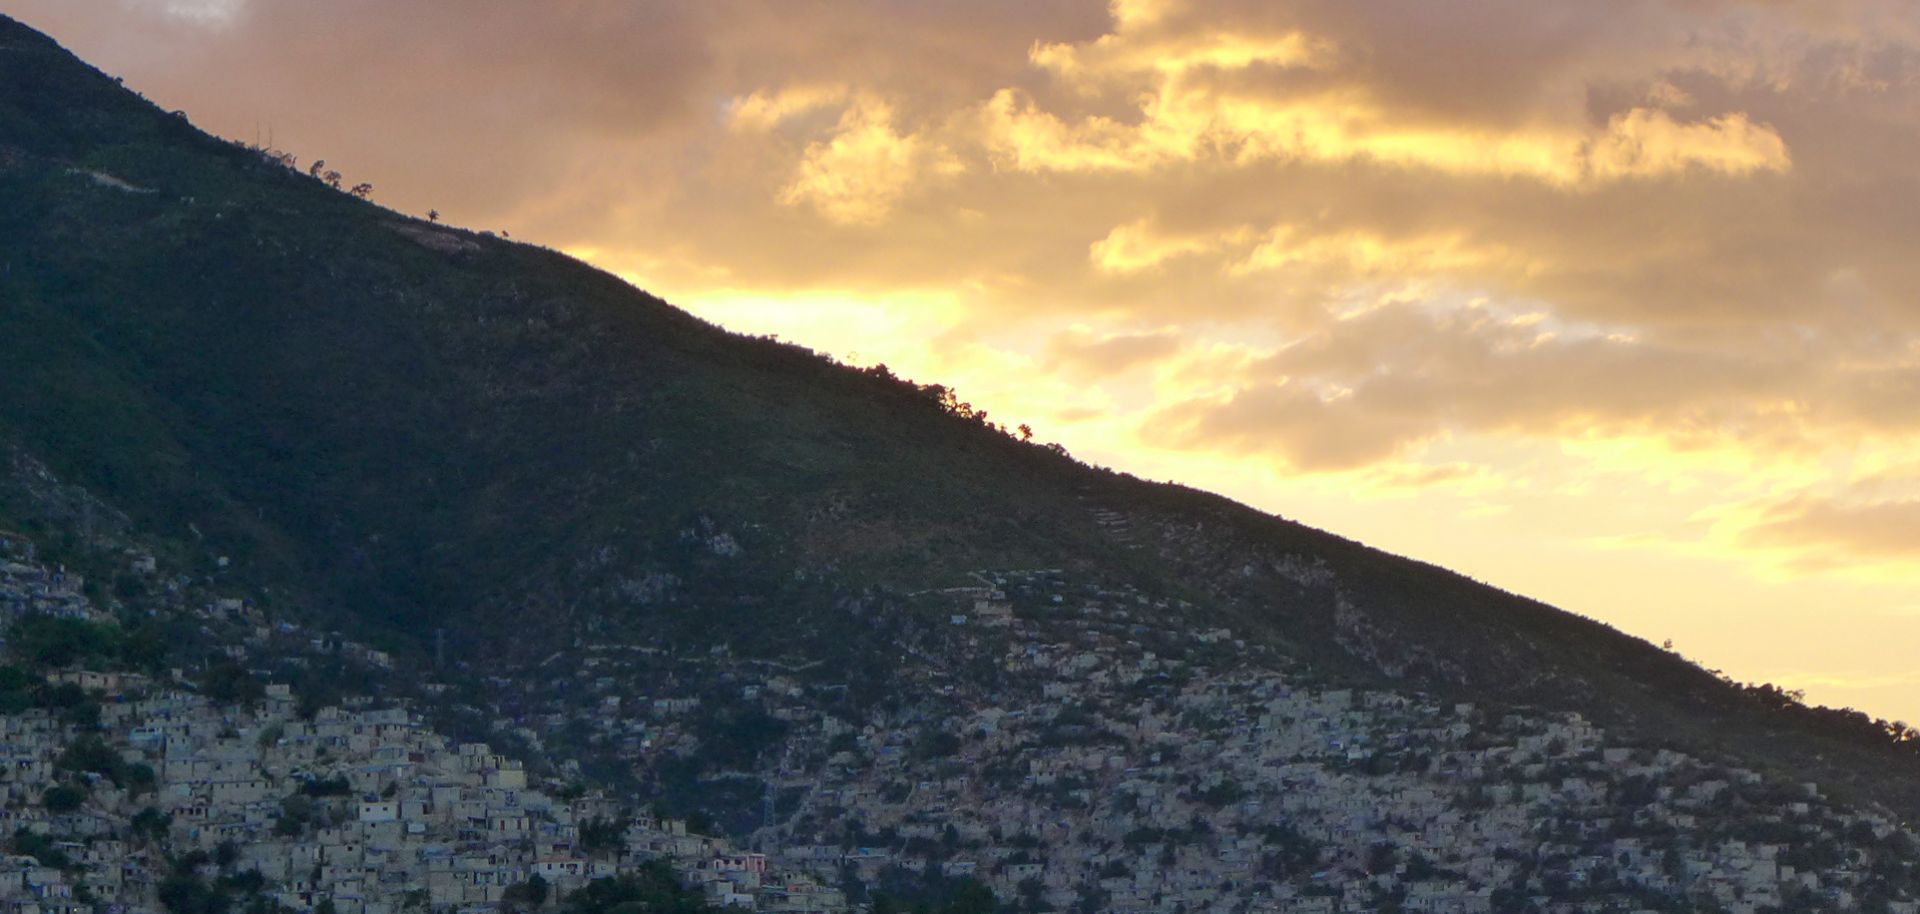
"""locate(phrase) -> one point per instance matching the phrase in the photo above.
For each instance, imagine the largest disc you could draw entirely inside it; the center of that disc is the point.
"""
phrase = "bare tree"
(433, 215)
(313, 171)
(333, 179)
(363, 190)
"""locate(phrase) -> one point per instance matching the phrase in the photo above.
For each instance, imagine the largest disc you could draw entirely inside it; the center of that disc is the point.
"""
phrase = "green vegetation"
(296, 813)
(337, 786)
(654, 890)
(186, 891)
(936, 744)
(89, 754)
(150, 823)
(1221, 794)
(1288, 854)
(601, 835)
(735, 740)
(18, 690)
(526, 896)
(63, 798)
(41, 848)
(903, 892)
(53, 642)
(229, 683)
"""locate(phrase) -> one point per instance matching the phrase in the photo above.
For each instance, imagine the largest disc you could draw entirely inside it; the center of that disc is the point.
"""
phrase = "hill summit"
(828, 611)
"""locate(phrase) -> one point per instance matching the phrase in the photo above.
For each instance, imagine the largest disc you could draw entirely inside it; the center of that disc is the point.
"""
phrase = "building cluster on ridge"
(357, 807)
(1123, 765)
(1097, 758)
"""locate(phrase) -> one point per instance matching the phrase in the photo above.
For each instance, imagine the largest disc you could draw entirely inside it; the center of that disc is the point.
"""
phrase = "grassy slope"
(408, 438)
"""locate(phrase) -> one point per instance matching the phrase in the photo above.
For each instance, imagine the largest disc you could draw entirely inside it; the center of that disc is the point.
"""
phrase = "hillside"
(412, 432)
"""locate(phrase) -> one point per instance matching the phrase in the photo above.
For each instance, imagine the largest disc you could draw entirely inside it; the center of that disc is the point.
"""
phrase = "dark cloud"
(489, 110)
(1093, 356)
(1374, 386)
(1297, 426)
(463, 107)
(1831, 533)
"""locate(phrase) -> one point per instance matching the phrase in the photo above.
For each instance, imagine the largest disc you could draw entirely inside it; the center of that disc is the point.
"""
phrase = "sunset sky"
(1613, 304)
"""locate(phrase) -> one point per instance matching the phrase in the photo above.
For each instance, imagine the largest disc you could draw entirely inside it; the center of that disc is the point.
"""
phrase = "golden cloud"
(1142, 245)
(1645, 142)
(1114, 58)
(1178, 126)
(857, 175)
(1360, 253)
(765, 110)
(1193, 102)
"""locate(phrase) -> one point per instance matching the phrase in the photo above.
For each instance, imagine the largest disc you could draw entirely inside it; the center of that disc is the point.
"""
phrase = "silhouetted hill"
(402, 428)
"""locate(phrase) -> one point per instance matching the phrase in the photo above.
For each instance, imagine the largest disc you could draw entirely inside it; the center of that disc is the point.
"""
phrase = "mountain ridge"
(408, 429)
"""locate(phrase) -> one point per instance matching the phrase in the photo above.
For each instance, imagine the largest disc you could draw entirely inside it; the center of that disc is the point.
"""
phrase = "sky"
(1610, 304)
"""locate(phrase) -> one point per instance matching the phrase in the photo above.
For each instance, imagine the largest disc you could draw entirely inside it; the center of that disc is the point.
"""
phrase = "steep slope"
(407, 429)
